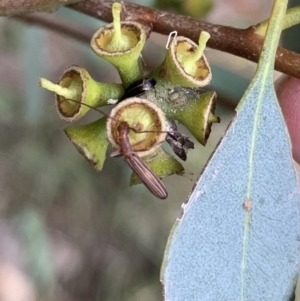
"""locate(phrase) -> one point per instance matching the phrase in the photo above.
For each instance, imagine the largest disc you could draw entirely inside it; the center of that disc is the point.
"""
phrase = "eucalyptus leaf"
(238, 235)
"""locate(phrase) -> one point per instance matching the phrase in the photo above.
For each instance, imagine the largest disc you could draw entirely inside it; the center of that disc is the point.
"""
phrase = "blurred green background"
(66, 231)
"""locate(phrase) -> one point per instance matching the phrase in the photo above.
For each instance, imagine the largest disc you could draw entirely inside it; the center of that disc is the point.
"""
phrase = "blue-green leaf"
(238, 236)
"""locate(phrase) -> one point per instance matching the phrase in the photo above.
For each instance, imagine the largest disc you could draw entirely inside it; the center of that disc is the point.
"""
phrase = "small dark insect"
(179, 143)
(147, 176)
(139, 87)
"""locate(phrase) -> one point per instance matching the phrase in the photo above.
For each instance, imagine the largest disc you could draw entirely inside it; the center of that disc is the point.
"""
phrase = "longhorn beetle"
(147, 176)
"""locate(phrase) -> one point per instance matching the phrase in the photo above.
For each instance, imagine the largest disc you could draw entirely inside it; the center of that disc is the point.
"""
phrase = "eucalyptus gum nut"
(90, 140)
(196, 115)
(161, 163)
(124, 55)
(174, 72)
(90, 92)
(141, 115)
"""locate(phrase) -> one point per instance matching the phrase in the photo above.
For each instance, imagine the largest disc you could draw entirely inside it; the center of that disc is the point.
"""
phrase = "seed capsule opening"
(70, 79)
(146, 121)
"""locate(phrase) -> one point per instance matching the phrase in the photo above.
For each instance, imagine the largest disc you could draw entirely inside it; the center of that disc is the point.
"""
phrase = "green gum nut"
(196, 114)
(185, 64)
(161, 163)
(76, 92)
(146, 123)
(121, 43)
(90, 140)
